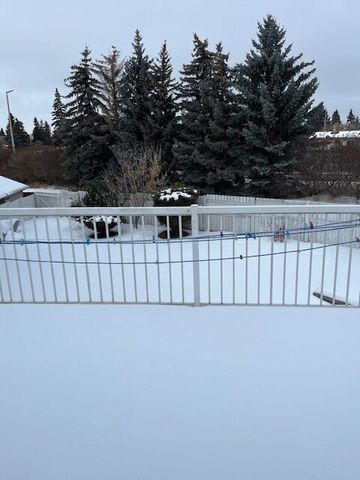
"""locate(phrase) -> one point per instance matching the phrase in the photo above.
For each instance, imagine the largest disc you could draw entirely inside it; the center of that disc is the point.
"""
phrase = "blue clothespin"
(153, 238)
(287, 233)
(87, 241)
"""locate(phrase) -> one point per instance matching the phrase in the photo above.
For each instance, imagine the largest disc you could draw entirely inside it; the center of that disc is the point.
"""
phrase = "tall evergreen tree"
(58, 118)
(135, 90)
(163, 108)
(2, 133)
(47, 138)
(41, 132)
(224, 142)
(335, 119)
(21, 137)
(318, 119)
(277, 91)
(86, 132)
(36, 133)
(195, 109)
(109, 70)
(351, 119)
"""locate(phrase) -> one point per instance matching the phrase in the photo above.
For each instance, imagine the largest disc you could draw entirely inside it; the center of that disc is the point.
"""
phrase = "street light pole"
(10, 120)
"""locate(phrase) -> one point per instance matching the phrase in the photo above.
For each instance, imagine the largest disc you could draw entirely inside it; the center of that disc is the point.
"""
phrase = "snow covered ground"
(230, 281)
(157, 393)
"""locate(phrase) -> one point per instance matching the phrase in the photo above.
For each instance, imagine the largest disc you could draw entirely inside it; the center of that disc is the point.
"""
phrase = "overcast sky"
(41, 39)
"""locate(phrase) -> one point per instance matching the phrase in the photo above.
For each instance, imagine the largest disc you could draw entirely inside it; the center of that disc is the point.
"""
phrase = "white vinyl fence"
(55, 199)
(198, 255)
(22, 202)
(43, 199)
(212, 200)
(260, 222)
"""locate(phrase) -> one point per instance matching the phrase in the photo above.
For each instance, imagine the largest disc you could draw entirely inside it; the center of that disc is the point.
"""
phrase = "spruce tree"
(41, 132)
(195, 114)
(335, 119)
(47, 137)
(318, 119)
(36, 133)
(86, 133)
(109, 70)
(135, 90)
(163, 108)
(2, 133)
(223, 144)
(276, 92)
(21, 137)
(351, 119)
(58, 118)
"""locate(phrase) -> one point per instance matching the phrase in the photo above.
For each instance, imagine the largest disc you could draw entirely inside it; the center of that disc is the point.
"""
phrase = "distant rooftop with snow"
(341, 134)
(10, 187)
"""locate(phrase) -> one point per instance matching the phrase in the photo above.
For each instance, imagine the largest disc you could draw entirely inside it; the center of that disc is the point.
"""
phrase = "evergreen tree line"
(218, 128)
(320, 120)
(41, 132)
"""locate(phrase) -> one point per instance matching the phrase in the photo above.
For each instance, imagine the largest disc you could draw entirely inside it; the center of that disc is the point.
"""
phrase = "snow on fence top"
(10, 187)
(341, 134)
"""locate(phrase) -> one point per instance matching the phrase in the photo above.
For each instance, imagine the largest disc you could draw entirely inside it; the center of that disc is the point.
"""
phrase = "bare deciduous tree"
(327, 168)
(135, 176)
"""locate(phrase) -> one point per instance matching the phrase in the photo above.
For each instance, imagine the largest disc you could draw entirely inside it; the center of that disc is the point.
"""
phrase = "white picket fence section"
(198, 255)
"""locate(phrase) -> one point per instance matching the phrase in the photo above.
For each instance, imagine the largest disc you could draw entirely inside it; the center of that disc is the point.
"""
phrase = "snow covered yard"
(158, 393)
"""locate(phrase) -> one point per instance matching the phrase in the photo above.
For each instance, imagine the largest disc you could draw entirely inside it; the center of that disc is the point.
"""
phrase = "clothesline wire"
(280, 233)
(167, 262)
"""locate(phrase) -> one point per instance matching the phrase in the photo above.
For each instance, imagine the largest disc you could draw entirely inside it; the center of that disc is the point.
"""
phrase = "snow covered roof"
(10, 187)
(341, 134)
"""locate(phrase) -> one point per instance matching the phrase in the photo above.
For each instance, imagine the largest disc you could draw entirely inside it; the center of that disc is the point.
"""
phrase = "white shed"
(10, 190)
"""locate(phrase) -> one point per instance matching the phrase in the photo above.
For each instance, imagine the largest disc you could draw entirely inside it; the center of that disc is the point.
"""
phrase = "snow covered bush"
(103, 224)
(176, 197)
(99, 195)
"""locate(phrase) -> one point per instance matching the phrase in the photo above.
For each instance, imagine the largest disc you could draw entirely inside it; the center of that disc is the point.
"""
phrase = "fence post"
(195, 251)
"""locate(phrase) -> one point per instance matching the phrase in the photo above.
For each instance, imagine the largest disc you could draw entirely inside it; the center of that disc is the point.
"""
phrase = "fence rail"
(198, 255)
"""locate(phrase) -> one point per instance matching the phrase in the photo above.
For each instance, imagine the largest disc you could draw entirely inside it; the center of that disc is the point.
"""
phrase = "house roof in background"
(341, 134)
(10, 187)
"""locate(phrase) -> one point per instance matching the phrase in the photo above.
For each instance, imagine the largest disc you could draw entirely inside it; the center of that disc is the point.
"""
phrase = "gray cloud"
(42, 39)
